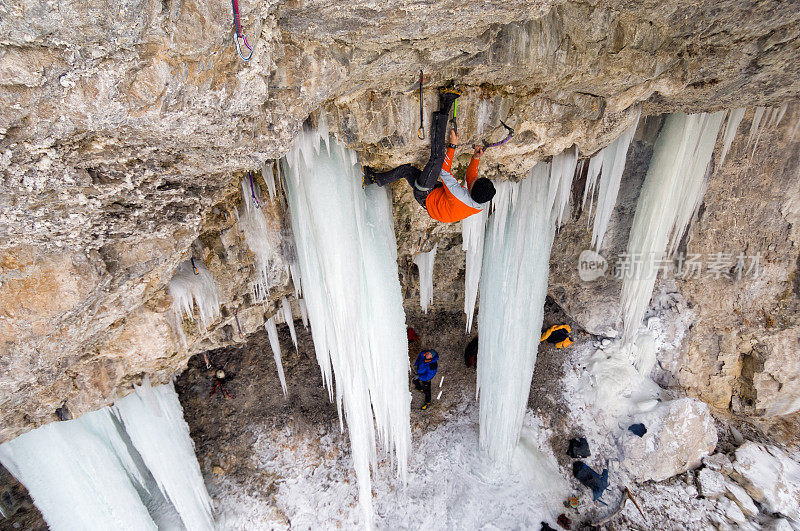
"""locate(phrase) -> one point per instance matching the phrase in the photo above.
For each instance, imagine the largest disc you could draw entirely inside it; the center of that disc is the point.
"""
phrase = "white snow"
(473, 230)
(513, 287)
(260, 239)
(346, 250)
(424, 263)
(451, 485)
(608, 188)
(286, 308)
(187, 289)
(275, 345)
(100, 472)
(672, 191)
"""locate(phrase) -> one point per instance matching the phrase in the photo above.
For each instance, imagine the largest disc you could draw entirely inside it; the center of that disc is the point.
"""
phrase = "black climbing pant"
(425, 387)
(422, 182)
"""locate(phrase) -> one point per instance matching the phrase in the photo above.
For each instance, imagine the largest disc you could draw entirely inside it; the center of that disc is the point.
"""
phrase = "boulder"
(710, 483)
(742, 499)
(680, 433)
(770, 477)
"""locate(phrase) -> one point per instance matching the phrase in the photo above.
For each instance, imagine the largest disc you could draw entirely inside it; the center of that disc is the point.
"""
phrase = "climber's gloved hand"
(453, 137)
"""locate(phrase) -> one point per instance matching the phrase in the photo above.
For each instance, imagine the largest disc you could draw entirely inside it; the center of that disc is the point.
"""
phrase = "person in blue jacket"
(426, 366)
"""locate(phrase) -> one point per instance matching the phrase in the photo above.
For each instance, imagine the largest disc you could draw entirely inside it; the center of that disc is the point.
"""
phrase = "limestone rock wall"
(127, 126)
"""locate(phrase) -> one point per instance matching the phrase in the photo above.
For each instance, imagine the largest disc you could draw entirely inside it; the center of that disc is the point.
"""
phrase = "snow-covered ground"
(450, 486)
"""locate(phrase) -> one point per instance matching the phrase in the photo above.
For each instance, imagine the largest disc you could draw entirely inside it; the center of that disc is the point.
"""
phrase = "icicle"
(303, 312)
(513, 287)
(187, 289)
(131, 466)
(269, 178)
(347, 255)
(781, 111)
(562, 171)
(795, 129)
(287, 316)
(734, 119)
(424, 263)
(473, 230)
(153, 418)
(595, 164)
(671, 193)
(263, 242)
(755, 131)
(613, 166)
(272, 334)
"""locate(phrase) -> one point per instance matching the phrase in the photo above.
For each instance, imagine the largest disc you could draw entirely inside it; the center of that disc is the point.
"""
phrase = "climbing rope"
(237, 26)
(421, 131)
(253, 188)
(194, 268)
(510, 131)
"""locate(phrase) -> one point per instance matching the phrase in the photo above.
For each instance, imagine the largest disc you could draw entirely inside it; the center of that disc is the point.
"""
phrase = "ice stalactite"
(731, 127)
(346, 250)
(260, 239)
(275, 345)
(153, 418)
(672, 191)
(473, 230)
(513, 286)
(193, 284)
(424, 263)
(269, 179)
(592, 173)
(562, 170)
(286, 308)
(755, 128)
(613, 165)
(129, 466)
(303, 312)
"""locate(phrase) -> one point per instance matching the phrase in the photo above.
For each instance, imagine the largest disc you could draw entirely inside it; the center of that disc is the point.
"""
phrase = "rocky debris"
(680, 433)
(719, 462)
(770, 477)
(742, 499)
(710, 483)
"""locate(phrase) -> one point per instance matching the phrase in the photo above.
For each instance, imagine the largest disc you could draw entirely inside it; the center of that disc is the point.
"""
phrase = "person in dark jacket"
(426, 366)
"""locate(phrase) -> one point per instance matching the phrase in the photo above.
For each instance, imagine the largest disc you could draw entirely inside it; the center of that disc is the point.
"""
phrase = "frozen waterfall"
(513, 286)
(672, 191)
(260, 239)
(424, 263)
(129, 466)
(347, 255)
(473, 229)
(193, 284)
(611, 160)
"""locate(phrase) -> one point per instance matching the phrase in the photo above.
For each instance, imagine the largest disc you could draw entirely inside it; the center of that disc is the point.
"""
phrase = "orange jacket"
(561, 344)
(447, 203)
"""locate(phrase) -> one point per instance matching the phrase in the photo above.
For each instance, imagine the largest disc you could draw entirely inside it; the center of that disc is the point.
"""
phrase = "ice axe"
(509, 130)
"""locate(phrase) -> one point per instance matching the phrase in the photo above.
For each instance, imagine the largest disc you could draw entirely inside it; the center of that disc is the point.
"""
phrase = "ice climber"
(558, 335)
(426, 366)
(446, 201)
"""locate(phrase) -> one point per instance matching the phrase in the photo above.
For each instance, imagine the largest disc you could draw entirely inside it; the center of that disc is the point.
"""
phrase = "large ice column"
(513, 286)
(612, 162)
(193, 284)
(473, 229)
(562, 170)
(153, 419)
(424, 263)
(260, 239)
(347, 254)
(672, 191)
(130, 466)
